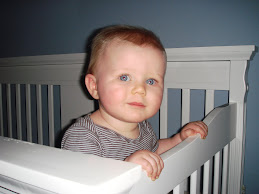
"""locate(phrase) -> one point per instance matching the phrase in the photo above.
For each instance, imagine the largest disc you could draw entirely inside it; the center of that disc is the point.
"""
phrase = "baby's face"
(130, 81)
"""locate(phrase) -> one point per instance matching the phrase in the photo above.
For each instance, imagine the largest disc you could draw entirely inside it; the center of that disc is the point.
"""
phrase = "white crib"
(28, 90)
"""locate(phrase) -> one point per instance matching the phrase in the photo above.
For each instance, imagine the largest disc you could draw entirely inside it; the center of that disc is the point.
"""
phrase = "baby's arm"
(190, 129)
(150, 162)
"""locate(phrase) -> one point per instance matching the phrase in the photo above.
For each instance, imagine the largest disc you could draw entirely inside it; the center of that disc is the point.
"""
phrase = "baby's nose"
(139, 89)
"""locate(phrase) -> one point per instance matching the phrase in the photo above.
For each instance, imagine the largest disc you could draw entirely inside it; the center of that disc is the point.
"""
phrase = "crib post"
(238, 89)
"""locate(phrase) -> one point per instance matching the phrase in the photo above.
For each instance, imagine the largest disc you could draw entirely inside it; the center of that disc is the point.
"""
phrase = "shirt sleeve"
(155, 143)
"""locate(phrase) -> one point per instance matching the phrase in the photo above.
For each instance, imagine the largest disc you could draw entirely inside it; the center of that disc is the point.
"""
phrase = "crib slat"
(185, 106)
(1, 113)
(39, 113)
(186, 101)
(225, 170)
(51, 116)
(9, 110)
(207, 173)
(18, 111)
(207, 177)
(163, 115)
(28, 112)
(217, 174)
(209, 103)
(195, 182)
(179, 189)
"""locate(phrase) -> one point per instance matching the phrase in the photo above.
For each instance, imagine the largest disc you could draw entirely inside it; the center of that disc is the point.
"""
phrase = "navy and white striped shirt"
(86, 137)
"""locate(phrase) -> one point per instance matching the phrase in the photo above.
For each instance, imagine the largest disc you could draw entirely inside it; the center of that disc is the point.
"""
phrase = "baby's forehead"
(125, 43)
(108, 50)
(117, 42)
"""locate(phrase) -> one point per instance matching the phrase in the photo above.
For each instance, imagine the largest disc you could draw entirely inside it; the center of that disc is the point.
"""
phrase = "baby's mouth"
(137, 104)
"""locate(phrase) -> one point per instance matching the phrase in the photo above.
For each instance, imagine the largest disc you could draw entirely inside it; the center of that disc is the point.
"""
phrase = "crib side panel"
(210, 69)
(198, 75)
(182, 159)
(41, 95)
(192, 75)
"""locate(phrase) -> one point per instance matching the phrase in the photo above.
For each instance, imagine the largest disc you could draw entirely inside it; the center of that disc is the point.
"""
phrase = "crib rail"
(30, 166)
(191, 154)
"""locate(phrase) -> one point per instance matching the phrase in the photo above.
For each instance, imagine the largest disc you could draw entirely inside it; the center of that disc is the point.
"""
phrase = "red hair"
(136, 35)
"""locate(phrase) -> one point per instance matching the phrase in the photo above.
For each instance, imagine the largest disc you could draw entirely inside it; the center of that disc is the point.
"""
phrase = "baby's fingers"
(157, 166)
(201, 128)
(150, 162)
(193, 128)
(153, 165)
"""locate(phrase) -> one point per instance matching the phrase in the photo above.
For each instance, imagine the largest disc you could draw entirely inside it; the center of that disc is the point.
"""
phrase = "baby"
(126, 75)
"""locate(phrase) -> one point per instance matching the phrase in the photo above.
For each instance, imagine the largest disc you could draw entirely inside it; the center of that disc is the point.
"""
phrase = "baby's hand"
(150, 162)
(193, 128)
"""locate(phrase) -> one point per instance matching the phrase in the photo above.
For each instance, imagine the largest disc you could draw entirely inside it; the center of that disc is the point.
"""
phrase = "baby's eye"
(151, 81)
(124, 78)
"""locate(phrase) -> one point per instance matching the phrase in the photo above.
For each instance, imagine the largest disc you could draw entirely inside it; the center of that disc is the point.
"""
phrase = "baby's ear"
(91, 85)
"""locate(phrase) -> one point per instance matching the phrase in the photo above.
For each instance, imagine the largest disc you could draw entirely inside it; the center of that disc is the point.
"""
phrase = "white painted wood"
(186, 95)
(67, 74)
(51, 116)
(39, 114)
(119, 176)
(186, 108)
(61, 171)
(238, 89)
(18, 111)
(225, 170)
(42, 60)
(9, 110)
(188, 68)
(209, 101)
(195, 182)
(217, 173)
(198, 75)
(176, 190)
(163, 115)
(217, 53)
(179, 189)
(177, 160)
(67, 70)
(64, 70)
(207, 174)
(207, 177)
(28, 112)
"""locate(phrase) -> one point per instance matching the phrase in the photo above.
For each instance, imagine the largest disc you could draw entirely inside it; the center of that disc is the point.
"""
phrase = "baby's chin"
(136, 119)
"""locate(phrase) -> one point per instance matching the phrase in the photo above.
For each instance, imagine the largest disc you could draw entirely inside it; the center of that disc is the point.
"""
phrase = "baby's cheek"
(157, 99)
(114, 96)
(155, 103)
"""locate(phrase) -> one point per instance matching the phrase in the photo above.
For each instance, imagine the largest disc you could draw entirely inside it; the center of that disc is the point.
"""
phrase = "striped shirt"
(86, 137)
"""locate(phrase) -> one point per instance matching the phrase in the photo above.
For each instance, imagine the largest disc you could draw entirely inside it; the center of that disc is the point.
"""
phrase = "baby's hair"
(136, 35)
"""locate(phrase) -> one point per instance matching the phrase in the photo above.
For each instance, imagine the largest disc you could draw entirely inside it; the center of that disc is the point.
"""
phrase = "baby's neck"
(129, 130)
